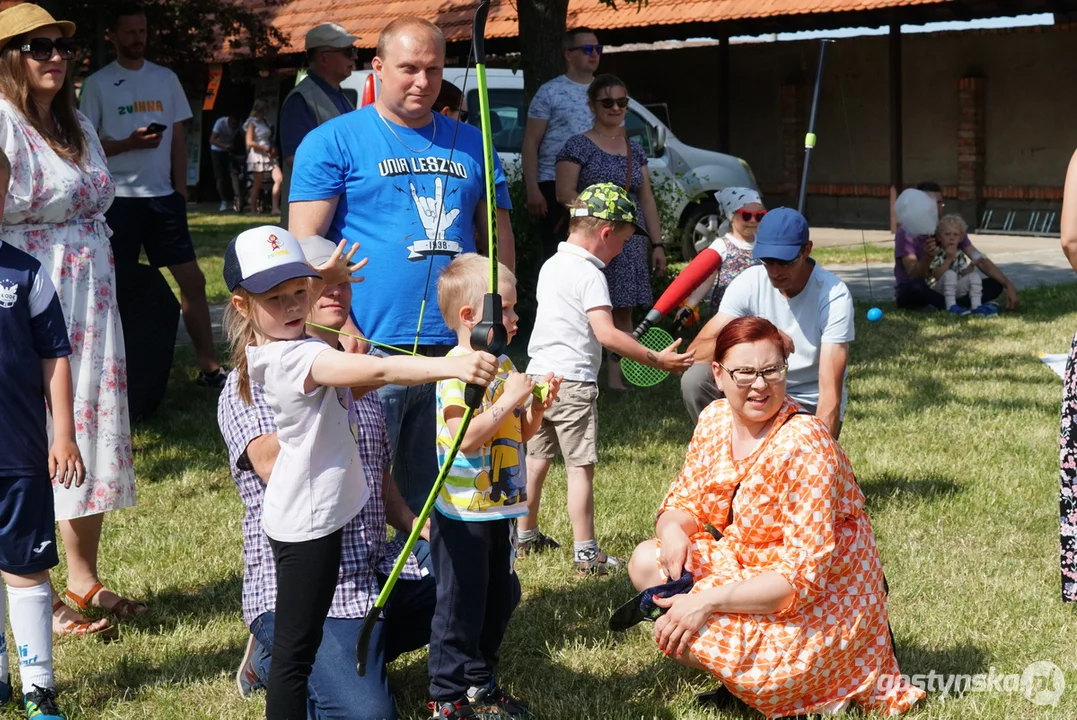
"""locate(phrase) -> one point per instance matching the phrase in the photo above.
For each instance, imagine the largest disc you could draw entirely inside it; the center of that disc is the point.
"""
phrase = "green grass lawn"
(952, 428)
(853, 254)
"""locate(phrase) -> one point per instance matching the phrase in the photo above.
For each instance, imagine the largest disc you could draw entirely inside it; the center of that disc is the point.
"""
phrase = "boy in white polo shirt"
(573, 323)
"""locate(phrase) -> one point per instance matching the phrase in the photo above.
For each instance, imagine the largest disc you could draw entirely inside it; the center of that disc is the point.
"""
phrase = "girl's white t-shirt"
(720, 246)
(317, 485)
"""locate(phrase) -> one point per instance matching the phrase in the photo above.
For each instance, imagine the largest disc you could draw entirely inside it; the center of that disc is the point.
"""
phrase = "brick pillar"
(971, 137)
(794, 118)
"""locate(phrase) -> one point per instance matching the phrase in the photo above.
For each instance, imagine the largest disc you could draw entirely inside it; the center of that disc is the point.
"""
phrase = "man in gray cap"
(318, 97)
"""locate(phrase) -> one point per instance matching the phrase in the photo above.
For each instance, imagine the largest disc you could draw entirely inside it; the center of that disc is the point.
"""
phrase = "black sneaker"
(40, 704)
(538, 544)
(459, 710)
(495, 698)
(215, 379)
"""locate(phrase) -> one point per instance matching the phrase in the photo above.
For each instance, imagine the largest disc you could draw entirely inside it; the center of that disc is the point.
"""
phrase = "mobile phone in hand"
(155, 129)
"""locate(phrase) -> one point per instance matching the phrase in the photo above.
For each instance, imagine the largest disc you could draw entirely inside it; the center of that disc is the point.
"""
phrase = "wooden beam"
(896, 125)
(724, 78)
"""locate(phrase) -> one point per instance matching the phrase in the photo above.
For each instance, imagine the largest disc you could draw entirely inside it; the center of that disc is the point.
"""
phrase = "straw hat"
(23, 18)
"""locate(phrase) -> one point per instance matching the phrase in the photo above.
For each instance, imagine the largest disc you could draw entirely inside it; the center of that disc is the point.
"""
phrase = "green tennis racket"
(641, 375)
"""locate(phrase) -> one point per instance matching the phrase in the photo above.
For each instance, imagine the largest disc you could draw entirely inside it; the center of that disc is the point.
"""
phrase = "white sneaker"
(223, 207)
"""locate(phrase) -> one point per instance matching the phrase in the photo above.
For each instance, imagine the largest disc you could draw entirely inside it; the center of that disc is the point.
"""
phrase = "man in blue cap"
(802, 299)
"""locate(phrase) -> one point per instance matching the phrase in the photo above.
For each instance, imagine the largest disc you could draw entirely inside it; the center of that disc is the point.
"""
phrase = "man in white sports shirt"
(138, 109)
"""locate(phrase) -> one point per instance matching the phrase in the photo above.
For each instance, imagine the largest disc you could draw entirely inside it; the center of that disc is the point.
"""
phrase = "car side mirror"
(659, 141)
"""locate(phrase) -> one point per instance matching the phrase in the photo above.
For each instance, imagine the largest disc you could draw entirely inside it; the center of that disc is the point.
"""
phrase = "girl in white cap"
(317, 484)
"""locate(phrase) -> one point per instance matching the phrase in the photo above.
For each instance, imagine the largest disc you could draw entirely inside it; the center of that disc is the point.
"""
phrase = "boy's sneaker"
(460, 710)
(538, 544)
(215, 379)
(987, 310)
(493, 697)
(956, 309)
(247, 679)
(40, 704)
(596, 563)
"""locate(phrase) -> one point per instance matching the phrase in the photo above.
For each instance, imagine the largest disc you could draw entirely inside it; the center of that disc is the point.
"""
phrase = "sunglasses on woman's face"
(41, 48)
(748, 215)
(608, 103)
(588, 49)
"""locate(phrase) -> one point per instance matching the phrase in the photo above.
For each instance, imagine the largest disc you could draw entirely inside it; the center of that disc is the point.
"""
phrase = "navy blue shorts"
(159, 224)
(27, 525)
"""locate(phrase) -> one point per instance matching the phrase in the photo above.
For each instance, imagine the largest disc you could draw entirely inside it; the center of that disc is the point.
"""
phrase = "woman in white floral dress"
(60, 188)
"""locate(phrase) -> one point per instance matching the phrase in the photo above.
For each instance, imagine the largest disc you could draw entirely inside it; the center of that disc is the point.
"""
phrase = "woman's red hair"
(749, 330)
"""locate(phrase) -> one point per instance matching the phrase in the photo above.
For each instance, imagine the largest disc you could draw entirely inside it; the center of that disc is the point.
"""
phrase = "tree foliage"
(185, 35)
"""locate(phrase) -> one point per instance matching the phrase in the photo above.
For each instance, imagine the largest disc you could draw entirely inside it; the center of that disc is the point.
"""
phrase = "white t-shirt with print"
(570, 283)
(820, 313)
(118, 102)
(317, 485)
(563, 104)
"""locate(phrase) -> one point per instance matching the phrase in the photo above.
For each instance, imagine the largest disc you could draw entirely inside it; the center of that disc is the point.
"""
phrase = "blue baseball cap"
(781, 235)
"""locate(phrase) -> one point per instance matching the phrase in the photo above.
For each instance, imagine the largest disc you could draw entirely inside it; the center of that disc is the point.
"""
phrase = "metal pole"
(809, 138)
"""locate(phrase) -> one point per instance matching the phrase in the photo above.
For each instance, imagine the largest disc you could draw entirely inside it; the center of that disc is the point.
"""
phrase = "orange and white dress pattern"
(799, 512)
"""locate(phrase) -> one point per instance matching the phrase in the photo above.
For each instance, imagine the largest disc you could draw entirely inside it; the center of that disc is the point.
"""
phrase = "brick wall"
(971, 141)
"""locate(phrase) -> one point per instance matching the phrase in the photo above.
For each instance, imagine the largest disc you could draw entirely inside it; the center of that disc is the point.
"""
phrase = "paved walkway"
(1028, 261)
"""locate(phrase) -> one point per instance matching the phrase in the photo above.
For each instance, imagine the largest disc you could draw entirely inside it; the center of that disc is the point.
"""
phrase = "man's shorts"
(222, 165)
(570, 426)
(159, 224)
(27, 525)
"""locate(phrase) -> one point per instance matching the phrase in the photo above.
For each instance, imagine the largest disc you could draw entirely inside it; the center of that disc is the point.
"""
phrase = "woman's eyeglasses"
(745, 377)
(608, 103)
(41, 48)
(748, 216)
(588, 49)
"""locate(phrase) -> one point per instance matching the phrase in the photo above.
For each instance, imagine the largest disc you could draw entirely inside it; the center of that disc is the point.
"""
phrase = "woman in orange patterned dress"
(788, 607)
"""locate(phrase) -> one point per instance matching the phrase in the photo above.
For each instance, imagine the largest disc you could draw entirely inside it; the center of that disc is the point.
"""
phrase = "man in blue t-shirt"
(407, 184)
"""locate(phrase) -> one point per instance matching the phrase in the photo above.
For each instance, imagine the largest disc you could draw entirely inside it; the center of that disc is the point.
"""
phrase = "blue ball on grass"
(875, 315)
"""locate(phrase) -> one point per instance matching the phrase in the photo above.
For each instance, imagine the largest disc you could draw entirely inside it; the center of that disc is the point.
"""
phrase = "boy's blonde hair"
(464, 282)
(953, 220)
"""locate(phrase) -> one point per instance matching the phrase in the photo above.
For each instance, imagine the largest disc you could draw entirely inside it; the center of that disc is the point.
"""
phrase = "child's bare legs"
(536, 478)
(622, 320)
(278, 178)
(581, 502)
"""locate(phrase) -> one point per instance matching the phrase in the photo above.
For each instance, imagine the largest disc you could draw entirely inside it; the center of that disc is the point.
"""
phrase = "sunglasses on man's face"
(748, 215)
(608, 103)
(774, 262)
(462, 115)
(41, 48)
(588, 49)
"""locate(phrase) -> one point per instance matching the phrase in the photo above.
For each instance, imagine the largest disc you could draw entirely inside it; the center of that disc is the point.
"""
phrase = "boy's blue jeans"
(335, 691)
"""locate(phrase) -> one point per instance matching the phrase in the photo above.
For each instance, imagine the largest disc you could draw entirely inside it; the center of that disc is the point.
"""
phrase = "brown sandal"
(78, 628)
(122, 608)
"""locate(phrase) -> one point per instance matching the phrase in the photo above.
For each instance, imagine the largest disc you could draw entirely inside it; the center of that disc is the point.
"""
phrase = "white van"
(698, 172)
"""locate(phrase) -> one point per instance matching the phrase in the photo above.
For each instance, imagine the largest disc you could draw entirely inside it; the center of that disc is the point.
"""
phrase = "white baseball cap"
(329, 35)
(261, 258)
(317, 249)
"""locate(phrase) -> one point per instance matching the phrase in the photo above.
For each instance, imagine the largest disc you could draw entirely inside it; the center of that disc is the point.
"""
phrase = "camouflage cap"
(607, 201)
